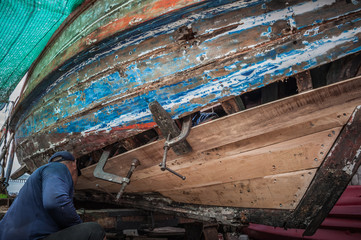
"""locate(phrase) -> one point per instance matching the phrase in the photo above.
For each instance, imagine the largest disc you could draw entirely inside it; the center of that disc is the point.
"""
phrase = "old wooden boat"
(279, 80)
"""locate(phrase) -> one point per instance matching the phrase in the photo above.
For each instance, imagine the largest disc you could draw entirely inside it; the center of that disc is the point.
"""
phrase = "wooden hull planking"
(190, 58)
(91, 88)
(280, 164)
(263, 157)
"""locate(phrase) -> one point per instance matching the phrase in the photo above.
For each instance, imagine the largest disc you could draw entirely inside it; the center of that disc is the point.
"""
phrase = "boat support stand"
(99, 173)
(170, 129)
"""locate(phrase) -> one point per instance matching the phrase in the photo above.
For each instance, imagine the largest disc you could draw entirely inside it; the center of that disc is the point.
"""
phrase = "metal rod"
(175, 173)
(163, 165)
(3, 153)
(6, 146)
(170, 143)
(135, 163)
(10, 163)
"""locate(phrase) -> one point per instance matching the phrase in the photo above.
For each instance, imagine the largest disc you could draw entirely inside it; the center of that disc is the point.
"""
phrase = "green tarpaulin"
(25, 28)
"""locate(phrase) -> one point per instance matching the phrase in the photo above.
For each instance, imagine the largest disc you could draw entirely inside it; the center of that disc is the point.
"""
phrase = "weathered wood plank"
(282, 191)
(235, 46)
(304, 81)
(216, 171)
(224, 215)
(103, 18)
(233, 105)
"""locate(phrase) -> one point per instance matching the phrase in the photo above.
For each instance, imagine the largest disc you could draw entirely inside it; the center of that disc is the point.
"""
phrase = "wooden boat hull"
(290, 135)
(264, 161)
(197, 56)
(277, 164)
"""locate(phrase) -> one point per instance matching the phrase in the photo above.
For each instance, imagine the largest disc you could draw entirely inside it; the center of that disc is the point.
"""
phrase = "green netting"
(25, 28)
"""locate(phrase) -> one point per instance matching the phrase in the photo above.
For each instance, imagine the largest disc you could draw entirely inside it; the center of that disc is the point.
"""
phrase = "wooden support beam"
(225, 215)
(233, 105)
(304, 81)
(210, 232)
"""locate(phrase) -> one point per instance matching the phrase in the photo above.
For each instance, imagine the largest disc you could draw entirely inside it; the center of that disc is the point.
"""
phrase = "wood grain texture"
(314, 111)
(224, 167)
(286, 136)
(221, 169)
(282, 191)
(187, 59)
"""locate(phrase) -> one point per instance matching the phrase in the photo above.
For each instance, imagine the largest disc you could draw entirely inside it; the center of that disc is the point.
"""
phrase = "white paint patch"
(89, 41)
(122, 120)
(282, 61)
(135, 21)
(272, 17)
(312, 32)
(52, 146)
(348, 169)
(151, 50)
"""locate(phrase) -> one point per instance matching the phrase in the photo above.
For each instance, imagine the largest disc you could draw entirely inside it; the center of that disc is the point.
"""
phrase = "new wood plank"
(282, 191)
(313, 111)
(298, 154)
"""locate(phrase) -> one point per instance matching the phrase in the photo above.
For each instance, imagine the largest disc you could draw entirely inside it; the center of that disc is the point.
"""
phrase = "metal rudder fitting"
(176, 139)
(99, 173)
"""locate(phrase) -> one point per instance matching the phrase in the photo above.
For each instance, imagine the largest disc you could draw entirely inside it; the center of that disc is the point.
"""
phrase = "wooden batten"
(304, 81)
(233, 105)
(284, 139)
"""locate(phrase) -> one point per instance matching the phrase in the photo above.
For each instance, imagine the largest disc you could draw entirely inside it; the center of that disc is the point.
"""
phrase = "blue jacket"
(44, 205)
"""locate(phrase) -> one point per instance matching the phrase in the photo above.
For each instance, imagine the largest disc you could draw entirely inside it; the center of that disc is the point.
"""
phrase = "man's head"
(68, 159)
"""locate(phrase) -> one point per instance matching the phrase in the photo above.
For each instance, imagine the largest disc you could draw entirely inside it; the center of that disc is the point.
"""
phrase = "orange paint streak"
(162, 4)
(143, 126)
(136, 17)
(119, 25)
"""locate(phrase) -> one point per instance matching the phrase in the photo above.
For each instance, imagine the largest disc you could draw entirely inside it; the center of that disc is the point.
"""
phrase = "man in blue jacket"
(44, 207)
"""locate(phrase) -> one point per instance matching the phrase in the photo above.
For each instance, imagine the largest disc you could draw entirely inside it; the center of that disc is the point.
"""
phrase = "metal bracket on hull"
(170, 129)
(173, 142)
(99, 173)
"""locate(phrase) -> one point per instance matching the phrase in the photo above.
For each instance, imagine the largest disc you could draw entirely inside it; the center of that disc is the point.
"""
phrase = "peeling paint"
(109, 86)
(349, 167)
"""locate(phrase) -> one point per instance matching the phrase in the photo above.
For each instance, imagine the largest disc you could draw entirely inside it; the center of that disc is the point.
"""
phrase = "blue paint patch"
(268, 33)
(240, 77)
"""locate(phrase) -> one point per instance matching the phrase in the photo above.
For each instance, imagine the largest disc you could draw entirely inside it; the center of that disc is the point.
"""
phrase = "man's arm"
(57, 195)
